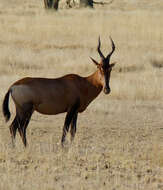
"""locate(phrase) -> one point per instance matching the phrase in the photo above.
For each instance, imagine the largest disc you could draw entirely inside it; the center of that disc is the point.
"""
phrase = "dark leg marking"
(73, 126)
(68, 119)
(23, 126)
(13, 128)
(23, 116)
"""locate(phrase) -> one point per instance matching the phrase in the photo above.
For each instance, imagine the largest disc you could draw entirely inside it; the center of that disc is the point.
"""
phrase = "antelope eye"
(102, 71)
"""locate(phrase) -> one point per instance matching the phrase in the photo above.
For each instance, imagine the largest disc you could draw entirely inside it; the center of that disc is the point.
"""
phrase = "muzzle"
(107, 90)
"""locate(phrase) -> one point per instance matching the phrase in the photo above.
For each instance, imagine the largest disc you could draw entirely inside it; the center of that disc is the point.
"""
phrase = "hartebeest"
(70, 93)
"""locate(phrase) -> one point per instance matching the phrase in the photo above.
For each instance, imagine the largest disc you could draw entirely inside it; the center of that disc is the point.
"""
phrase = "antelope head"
(104, 67)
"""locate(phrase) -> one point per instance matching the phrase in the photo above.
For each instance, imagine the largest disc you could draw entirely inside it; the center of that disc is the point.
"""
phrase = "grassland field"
(119, 140)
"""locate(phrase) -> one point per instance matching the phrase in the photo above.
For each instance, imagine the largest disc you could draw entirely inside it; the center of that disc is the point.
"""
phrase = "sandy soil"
(119, 140)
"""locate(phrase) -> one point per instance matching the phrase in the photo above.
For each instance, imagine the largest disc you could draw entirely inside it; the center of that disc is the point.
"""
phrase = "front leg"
(73, 126)
(66, 126)
(69, 117)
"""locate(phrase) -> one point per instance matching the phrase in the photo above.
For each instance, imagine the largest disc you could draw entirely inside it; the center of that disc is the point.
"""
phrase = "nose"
(107, 90)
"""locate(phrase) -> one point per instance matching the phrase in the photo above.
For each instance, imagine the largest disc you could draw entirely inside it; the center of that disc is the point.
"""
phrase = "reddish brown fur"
(74, 87)
(70, 93)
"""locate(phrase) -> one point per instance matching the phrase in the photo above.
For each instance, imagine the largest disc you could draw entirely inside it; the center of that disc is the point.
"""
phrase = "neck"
(94, 79)
(95, 86)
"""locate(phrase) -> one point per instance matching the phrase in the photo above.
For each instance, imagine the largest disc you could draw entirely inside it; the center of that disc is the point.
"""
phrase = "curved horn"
(113, 48)
(98, 49)
(94, 61)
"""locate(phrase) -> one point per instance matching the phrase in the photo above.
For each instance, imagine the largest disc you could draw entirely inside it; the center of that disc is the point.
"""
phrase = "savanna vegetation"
(118, 144)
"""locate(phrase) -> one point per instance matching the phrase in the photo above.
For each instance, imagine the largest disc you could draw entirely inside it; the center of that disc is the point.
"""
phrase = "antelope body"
(70, 93)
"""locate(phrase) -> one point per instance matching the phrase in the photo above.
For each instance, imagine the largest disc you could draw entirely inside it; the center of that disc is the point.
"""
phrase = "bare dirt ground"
(119, 140)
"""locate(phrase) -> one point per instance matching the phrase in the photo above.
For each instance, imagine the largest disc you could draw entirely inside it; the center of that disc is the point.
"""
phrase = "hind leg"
(24, 127)
(13, 128)
(24, 116)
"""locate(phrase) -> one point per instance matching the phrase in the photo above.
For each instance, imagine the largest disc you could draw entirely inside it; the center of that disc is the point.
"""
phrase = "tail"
(5, 108)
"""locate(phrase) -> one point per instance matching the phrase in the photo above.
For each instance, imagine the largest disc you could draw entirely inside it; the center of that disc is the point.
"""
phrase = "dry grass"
(118, 145)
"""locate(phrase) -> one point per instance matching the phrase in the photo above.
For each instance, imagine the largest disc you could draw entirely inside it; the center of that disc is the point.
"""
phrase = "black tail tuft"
(5, 107)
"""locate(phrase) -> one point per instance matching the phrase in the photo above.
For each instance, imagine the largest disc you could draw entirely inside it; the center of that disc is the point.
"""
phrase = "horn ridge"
(113, 47)
(98, 48)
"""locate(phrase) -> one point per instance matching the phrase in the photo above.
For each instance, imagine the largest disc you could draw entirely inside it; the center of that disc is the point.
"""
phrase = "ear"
(112, 64)
(94, 61)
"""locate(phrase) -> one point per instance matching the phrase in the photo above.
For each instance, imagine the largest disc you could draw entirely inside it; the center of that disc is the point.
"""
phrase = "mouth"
(107, 90)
